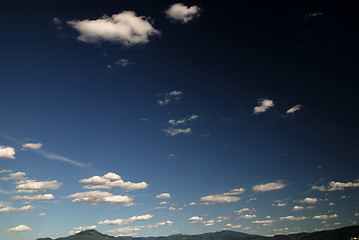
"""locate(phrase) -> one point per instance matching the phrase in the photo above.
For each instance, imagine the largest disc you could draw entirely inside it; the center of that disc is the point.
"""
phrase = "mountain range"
(345, 233)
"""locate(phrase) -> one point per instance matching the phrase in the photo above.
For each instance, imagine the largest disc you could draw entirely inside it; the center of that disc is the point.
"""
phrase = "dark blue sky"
(93, 115)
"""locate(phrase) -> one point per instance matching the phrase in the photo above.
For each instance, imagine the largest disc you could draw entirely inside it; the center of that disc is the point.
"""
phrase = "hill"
(345, 233)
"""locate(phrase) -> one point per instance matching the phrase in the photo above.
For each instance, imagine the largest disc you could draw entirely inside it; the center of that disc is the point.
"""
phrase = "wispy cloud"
(55, 156)
(335, 186)
(169, 97)
(269, 186)
(294, 109)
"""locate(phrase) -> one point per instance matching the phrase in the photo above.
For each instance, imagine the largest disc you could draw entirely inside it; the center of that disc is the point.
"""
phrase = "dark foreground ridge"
(346, 233)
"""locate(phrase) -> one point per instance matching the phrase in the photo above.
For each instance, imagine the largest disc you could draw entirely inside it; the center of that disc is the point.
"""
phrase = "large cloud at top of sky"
(123, 28)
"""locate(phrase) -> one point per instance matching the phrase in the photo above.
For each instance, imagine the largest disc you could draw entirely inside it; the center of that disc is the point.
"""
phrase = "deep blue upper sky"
(94, 103)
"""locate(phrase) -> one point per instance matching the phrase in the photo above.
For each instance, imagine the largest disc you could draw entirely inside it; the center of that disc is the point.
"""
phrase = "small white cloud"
(267, 222)
(294, 109)
(20, 228)
(246, 216)
(138, 228)
(32, 146)
(314, 14)
(164, 196)
(175, 131)
(298, 208)
(57, 22)
(183, 121)
(263, 106)
(123, 62)
(5, 209)
(219, 198)
(96, 197)
(124, 28)
(14, 176)
(269, 186)
(335, 186)
(7, 152)
(195, 219)
(233, 226)
(291, 218)
(180, 12)
(244, 210)
(325, 217)
(34, 186)
(82, 228)
(126, 221)
(356, 214)
(169, 97)
(280, 204)
(236, 191)
(41, 214)
(309, 200)
(44, 197)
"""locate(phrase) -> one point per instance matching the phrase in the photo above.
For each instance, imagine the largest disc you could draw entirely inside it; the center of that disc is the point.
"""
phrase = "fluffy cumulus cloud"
(32, 146)
(166, 98)
(7, 152)
(294, 109)
(44, 197)
(31, 186)
(123, 28)
(111, 180)
(180, 12)
(126, 221)
(240, 211)
(163, 196)
(20, 228)
(96, 197)
(14, 176)
(5, 208)
(195, 219)
(291, 218)
(234, 226)
(224, 197)
(269, 186)
(335, 186)
(246, 216)
(263, 106)
(298, 208)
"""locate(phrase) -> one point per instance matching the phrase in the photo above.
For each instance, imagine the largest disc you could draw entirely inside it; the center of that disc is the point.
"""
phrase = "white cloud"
(14, 176)
(234, 226)
(244, 210)
(57, 22)
(54, 156)
(5, 209)
(236, 191)
(34, 186)
(263, 106)
(156, 208)
(20, 228)
(41, 214)
(168, 97)
(269, 186)
(309, 200)
(126, 221)
(183, 121)
(195, 219)
(335, 186)
(294, 109)
(292, 218)
(138, 228)
(298, 208)
(82, 228)
(44, 197)
(124, 28)
(7, 152)
(210, 222)
(5, 171)
(164, 202)
(164, 196)
(246, 216)
(175, 131)
(263, 221)
(123, 62)
(280, 204)
(105, 183)
(219, 198)
(182, 13)
(325, 217)
(315, 14)
(96, 197)
(33, 146)
(356, 214)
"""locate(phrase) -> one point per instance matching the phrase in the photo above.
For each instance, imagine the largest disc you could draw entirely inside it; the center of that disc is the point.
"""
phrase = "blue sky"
(147, 119)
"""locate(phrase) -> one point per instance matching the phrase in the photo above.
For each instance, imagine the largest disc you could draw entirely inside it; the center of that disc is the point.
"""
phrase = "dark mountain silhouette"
(346, 233)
